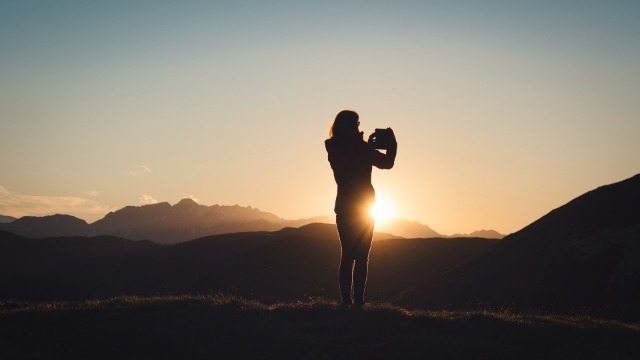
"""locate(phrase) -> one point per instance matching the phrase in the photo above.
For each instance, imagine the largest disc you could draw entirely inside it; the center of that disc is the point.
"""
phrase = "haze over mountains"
(583, 256)
(187, 220)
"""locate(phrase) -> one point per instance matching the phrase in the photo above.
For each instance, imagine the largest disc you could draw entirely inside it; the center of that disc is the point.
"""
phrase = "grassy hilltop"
(218, 326)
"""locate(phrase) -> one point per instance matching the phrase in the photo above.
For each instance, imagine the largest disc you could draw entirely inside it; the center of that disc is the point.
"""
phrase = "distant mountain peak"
(6, 219)
(487, 234)
(57, 219)
(163, 204)
(49, 226)
(186, 202)
(407, 228)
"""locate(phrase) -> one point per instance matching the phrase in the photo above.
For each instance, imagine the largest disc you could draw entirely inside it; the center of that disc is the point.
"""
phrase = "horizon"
(381, 219)
(503, 111)
(386, 219)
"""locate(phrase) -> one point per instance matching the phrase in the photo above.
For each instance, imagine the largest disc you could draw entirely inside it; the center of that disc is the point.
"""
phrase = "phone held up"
(382, 139)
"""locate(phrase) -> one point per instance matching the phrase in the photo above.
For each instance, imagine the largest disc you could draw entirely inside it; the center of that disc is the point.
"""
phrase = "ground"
(228, 327)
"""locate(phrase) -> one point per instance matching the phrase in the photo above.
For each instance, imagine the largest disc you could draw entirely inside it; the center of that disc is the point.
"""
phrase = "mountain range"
(169, 224)
(581, 257)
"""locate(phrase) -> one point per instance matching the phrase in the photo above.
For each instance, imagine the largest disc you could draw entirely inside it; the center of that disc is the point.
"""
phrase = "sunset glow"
(384, 209)
(503, 110)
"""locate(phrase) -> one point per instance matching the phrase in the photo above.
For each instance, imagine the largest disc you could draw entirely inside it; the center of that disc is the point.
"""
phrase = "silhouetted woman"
(351, 159)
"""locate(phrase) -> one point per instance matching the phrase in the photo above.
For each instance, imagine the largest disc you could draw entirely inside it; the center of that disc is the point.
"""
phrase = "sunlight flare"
(384, 208)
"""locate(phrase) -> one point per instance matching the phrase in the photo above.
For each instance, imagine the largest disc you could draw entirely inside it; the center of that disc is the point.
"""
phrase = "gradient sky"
(503, 110)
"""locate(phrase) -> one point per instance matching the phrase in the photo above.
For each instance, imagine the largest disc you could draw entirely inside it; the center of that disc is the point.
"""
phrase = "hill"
(583, 256)
(6, 219)
(75, 267)
(48, 226)
(227, 327)
(272, 266)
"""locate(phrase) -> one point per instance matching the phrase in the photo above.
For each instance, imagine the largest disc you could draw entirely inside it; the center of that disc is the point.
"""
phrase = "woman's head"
(346, 124)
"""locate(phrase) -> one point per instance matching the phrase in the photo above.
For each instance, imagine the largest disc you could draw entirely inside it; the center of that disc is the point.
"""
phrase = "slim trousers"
(356, 234)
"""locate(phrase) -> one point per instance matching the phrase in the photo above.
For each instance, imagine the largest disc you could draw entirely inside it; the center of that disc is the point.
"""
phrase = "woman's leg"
(356, 233)
(347, 259)
(346, 278)
(361, 267)
(360, 280)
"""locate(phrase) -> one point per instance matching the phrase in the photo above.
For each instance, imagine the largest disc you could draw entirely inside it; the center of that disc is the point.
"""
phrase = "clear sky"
(503, 110)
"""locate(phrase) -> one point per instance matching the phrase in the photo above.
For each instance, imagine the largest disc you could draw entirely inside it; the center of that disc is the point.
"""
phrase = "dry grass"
(225, 326)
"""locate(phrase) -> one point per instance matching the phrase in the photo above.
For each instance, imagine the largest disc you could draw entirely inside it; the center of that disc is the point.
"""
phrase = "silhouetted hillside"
(6, 219)
(283, 265)
(76, 267)
(313, 220)
(48, 226)
(584, 256)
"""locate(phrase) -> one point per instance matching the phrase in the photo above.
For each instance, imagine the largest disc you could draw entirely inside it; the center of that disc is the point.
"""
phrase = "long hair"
(344, 124)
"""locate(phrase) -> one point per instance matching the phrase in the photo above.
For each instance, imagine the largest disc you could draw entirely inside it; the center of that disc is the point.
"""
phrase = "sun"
(383, 209)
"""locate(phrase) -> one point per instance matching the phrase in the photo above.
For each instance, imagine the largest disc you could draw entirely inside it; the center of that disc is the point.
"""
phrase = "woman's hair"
(344, 124)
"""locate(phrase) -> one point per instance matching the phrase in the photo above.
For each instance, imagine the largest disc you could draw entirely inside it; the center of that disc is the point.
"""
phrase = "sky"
(503, 110)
